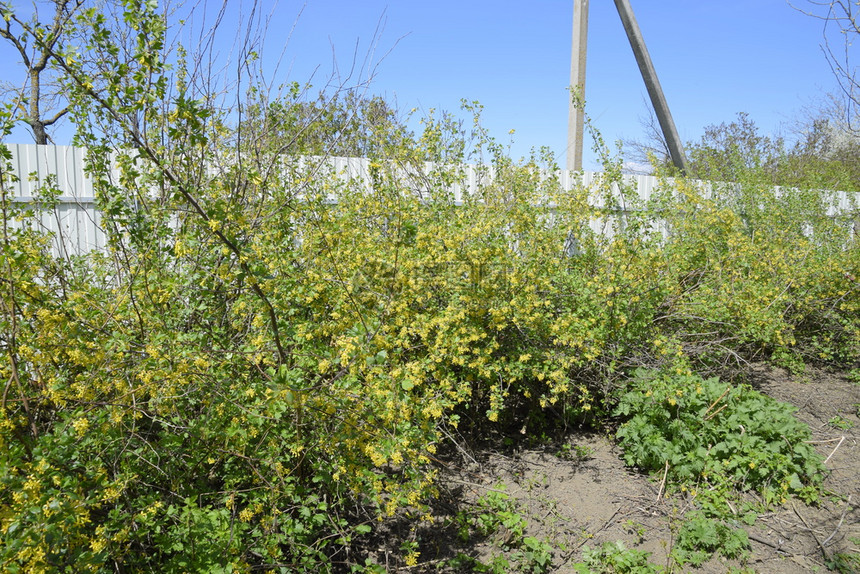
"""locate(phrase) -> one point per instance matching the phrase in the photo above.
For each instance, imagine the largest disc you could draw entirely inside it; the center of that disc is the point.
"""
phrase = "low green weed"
(497, 515)
(534, 555)
(697, 540)
(700, 537)
(789, 360)
(844, 563)
(633, 527)
(614, 557)
(839, 422)
(496, 510)
(713, 439)
(575, 452)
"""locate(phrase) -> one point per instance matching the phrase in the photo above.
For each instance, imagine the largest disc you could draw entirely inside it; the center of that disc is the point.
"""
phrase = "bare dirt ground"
(583, 495)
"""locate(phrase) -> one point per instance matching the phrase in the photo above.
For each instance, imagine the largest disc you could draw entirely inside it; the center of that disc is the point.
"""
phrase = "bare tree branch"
(841, 19)
(36, 43)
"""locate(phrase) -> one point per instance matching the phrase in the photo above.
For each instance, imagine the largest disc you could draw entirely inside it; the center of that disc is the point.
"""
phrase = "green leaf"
(794, 482)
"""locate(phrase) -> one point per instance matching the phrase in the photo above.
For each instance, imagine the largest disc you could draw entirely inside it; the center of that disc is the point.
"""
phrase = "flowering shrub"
(259, 367)
(760, 270)
(270, 370)
(271, 387)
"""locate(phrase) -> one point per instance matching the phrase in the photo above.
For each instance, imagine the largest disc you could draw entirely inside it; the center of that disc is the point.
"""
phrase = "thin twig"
(715, 413)
(764, 541)
(713, 404)
(834, 449)
(662, 483)
(811, 531)
(841, 518)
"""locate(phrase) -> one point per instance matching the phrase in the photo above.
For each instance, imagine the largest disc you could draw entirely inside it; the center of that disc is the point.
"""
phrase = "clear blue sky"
(714, 59)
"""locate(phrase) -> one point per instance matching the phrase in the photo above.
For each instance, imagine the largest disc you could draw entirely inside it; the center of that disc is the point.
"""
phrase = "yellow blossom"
(98, 544)
(412, 558)
(81, 426)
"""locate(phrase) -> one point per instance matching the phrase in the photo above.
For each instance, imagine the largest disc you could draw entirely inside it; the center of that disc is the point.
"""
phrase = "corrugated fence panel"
(34, 164)
(77, 223)
(74, 220)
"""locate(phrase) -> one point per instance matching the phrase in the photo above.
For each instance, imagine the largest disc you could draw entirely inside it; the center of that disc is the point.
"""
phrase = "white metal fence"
(76, 223)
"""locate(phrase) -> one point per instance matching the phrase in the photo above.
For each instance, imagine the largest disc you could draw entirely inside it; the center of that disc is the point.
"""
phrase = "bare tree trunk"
(36, 42)
(34, 119)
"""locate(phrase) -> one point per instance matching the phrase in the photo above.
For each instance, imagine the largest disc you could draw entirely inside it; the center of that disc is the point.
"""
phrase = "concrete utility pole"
(576, 117)
(646, 67)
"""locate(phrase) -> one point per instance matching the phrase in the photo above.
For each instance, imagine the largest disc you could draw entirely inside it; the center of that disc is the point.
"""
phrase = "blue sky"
(714, 59)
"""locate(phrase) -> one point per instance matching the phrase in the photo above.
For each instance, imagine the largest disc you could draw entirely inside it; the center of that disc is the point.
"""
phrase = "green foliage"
(823, 157)
(496, 516)
(839, 422)
(848, 561)
(698, 538)
(711, 438)
(258, 368)
(731, 151)
(498, 511)
(615, 558)
(535, 555)
(762, 270)
(576, 453)
(701, 537)
(346, 124)
(844, 563)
